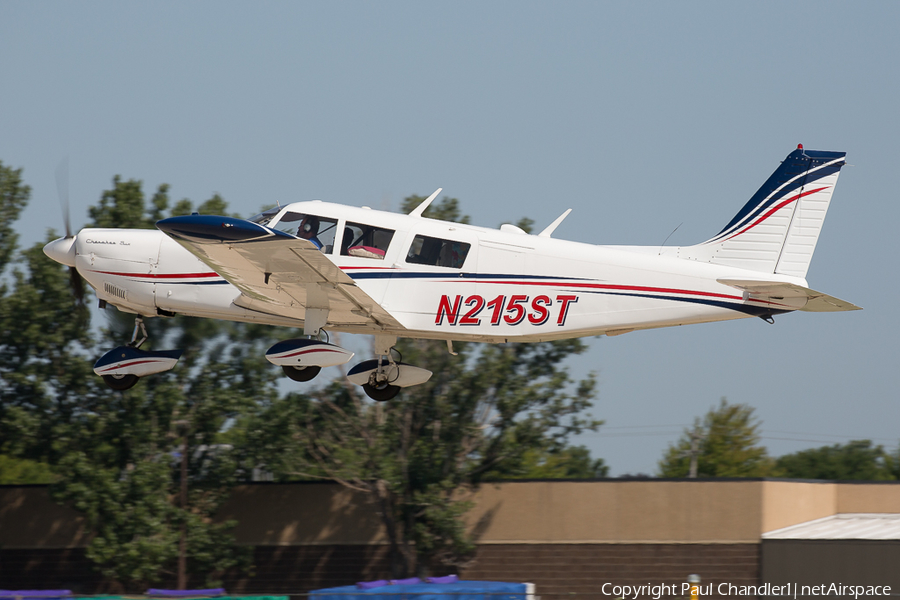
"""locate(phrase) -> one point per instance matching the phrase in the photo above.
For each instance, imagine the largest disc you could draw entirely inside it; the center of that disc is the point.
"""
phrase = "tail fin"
(777, 230)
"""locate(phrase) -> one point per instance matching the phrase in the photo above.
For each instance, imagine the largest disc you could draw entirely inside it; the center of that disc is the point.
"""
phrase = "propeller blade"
(76, 283)
(62, 189)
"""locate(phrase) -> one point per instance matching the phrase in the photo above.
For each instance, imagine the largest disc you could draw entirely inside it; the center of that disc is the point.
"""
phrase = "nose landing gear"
(121, 367)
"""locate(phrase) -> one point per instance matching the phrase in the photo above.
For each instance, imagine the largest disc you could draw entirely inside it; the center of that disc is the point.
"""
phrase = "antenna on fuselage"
(667, 238)
(552, 226)
(417, 211)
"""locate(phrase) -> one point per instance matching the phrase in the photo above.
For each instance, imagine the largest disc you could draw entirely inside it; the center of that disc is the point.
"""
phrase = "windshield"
(263, 218)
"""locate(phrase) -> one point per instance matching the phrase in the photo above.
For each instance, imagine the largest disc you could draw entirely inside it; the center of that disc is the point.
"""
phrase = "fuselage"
(439, 280)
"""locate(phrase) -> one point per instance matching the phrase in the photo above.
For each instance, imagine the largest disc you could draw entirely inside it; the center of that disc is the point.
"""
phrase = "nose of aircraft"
(62, 250)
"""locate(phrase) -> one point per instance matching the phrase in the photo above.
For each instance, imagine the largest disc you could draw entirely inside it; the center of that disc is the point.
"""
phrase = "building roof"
(842, 526)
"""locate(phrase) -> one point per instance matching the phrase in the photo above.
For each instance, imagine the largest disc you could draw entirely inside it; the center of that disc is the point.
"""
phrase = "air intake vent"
(114, 291)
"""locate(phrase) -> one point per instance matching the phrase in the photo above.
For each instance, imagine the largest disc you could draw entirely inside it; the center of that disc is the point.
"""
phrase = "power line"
(624, 431)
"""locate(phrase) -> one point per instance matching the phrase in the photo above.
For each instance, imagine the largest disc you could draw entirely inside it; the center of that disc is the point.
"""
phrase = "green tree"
(728, 446)
(13, 198)
(446, 209)
(42, 330)
(123, 470)
(856, 460)
(573, 462)
(117, 456)
(483, 414)
(44, 337)
(147, 466)
(21, 471)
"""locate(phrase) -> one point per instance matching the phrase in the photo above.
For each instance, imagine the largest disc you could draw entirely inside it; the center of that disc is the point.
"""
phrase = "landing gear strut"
(137, 343)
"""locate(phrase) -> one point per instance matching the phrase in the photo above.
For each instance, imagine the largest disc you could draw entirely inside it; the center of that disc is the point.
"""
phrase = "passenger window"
(365, 241)
(318, 230)
(437, 252)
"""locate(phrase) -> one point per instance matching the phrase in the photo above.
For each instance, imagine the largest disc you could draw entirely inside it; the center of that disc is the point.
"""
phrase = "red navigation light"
(799, 146)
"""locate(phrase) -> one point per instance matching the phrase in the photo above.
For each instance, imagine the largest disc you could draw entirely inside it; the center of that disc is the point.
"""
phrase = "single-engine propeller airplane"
(323, 266)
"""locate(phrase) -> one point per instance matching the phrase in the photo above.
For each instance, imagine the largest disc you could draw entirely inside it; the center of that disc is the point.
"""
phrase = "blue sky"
(640, 116)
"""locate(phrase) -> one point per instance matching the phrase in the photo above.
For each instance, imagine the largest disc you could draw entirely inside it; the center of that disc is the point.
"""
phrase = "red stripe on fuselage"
(161, 276)
(623, 288)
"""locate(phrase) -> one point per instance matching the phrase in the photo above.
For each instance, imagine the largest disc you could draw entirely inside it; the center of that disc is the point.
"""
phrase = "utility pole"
(182, 543)
(694, 452)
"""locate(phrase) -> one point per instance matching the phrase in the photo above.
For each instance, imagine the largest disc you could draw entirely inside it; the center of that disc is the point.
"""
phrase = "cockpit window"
(263, 218)
(365, 241)
(318, 230)
(437, 252)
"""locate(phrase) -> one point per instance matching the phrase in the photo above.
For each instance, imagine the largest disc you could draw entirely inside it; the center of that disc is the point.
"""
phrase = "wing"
(778, 291)
(278, 273)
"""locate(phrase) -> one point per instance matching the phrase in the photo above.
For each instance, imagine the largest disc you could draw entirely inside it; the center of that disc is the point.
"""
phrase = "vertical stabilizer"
(777, 230)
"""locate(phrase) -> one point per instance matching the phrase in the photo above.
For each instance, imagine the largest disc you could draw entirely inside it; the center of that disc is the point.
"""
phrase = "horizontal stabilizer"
(776, 291)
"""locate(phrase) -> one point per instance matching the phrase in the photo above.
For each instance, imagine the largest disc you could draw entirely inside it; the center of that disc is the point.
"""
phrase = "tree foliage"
(856, 460)
(573, 462)
(13, 198)
(116, 456)
(729, 446)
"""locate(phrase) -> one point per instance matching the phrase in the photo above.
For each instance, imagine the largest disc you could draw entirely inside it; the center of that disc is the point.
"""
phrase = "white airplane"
(328, 267)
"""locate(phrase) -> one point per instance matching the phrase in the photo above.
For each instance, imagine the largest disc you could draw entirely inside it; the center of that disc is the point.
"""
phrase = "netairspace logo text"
(657, 591)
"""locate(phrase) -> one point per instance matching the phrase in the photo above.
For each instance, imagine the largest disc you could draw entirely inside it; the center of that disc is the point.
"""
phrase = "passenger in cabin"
(347, 240)
(309, 230)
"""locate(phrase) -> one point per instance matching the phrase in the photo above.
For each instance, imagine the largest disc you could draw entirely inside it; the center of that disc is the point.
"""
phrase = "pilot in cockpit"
(309, 230)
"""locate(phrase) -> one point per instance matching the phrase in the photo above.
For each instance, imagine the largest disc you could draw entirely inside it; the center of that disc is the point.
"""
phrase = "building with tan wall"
(564, 536)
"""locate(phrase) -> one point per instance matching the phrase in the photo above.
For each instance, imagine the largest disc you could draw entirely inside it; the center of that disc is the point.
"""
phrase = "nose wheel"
(301, 373)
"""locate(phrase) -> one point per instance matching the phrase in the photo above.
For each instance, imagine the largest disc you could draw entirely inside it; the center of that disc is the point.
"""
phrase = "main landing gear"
(381, 378)
(301, 359)
(121, 367)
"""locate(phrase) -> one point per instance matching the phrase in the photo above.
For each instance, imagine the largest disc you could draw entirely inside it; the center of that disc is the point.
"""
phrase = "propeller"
(62, 188)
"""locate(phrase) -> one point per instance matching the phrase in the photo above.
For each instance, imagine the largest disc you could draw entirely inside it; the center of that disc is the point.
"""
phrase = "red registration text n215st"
(509, 310)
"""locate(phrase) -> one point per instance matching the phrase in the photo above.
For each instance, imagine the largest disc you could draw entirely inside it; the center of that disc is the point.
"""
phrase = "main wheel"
(301, 373)
(382, 392)
(120, 383)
